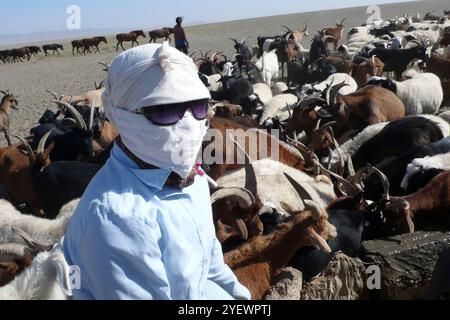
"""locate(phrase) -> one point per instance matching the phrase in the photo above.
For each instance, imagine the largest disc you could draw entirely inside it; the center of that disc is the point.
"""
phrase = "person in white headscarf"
(143, 228)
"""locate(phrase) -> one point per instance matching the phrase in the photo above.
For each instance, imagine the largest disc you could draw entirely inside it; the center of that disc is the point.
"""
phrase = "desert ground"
(71, 75)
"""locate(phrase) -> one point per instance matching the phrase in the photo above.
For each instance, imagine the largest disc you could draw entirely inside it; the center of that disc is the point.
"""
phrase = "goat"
(278, 107)
(369, 105)
(368, 68)
(256, 262)
(335, 32)
(160, 33)
(420, 171)
(243, 53)
(440, 66)
(432, 201)
(267, 66)
(46, 279)
(395, 168)
(263, 91)
(398, 60)
(127, 37)
(421, 94)
(8, 101)
(397, 137)
(54, 47)
(44, 231)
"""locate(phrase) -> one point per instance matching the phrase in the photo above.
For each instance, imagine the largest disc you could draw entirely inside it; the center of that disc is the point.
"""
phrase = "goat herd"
(363, 153)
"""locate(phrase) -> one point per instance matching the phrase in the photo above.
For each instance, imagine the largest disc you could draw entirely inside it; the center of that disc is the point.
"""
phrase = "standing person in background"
(181, 42)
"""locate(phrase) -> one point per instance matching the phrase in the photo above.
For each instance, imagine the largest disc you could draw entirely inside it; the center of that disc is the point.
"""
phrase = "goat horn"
(250, 176)
(318, 241)
(30, 241)
(326, 37)
(335, 91)
(105, 65)
(78, 118)
(289, 110)
(287, 29)
(384, 181)
(316, 210)
(304, 195)
(15, 250)
(244, 197)
(43, 141)
(232, 39)
(350, 167)
(26, 144)
(350, 186)
(54, 94)
(4, 92)
(244, 39)
(328, 94)
(91, 114)
(306, 102)
(318, 124)
(306, 28)
(328, 125)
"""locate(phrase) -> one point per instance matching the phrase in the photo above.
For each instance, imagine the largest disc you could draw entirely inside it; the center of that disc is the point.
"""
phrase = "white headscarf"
(152, 75)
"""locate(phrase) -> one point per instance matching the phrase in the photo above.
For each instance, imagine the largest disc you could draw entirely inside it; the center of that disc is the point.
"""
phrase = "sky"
(30, 16)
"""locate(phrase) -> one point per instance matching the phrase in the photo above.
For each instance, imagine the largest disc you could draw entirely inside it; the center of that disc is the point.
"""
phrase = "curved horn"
(318, 241)
(105, 65)
(326, 37)
(15, 250)
(306, 102)
(328, 94)
(384, 181)
(328, 125)
(318, 124)
(306, 28)
(316, 210)
(74, 113)
(235, 41)
(43, 141)
(54, 94)
(250, 176)
(242, 196)
(91, 114)
(26, 144)
(335, 91)
(31, 243)
(304, 195)
(288, 29)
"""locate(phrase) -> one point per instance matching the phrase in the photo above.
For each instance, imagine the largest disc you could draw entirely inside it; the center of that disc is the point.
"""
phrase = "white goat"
(263, 91)
(279, 106)
(46, 279)
(278, 88)
(334, 79)
(268, 66)
(421, 94)
(274, 188)
(44, 231)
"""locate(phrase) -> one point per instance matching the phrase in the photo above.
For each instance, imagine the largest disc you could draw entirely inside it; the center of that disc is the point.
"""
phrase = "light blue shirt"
(133, 238)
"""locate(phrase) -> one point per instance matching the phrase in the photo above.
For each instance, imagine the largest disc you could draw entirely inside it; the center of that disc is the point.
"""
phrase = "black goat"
(61, 182)
(243, 54)
(237, 91)
(397, 60)
(397, 137)
(395, 168)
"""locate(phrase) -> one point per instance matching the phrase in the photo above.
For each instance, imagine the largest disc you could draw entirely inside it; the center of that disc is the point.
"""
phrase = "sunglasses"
(170, 114)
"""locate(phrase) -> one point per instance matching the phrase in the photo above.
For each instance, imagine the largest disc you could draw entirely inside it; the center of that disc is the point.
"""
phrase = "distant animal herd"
(82, 46)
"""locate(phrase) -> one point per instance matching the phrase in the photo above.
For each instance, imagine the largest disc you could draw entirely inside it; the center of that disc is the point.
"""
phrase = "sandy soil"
(73, 75)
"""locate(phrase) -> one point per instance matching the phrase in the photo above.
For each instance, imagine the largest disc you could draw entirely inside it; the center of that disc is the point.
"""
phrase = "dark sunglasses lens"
(200, 109)
(166, 116)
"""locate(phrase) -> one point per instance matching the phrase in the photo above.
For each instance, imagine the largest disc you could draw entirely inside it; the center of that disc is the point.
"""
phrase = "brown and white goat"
(8, 101)
(335, 32)
(257, 261)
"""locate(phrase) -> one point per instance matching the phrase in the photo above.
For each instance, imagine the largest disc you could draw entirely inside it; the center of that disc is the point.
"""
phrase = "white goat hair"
(338, 78)
(214, 82)
(421, 94)
(350, 147)
(46, 279)
(440, 161)
(44, 231)
(278, 107)
(227, 69)
(274, 188)
(263, 91)
(268, 66)
(278, 88)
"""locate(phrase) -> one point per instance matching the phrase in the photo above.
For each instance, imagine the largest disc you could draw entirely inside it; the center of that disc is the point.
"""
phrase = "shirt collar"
(155, 178)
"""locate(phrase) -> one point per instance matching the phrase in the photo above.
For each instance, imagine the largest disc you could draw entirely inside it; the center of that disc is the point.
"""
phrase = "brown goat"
(367, 69)
(287, 154)
(367, 106)
(431, 201)
(257, 261)
(440, 66)
(127, 37)
(16, 171)
(335, 32)
(8, 101)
